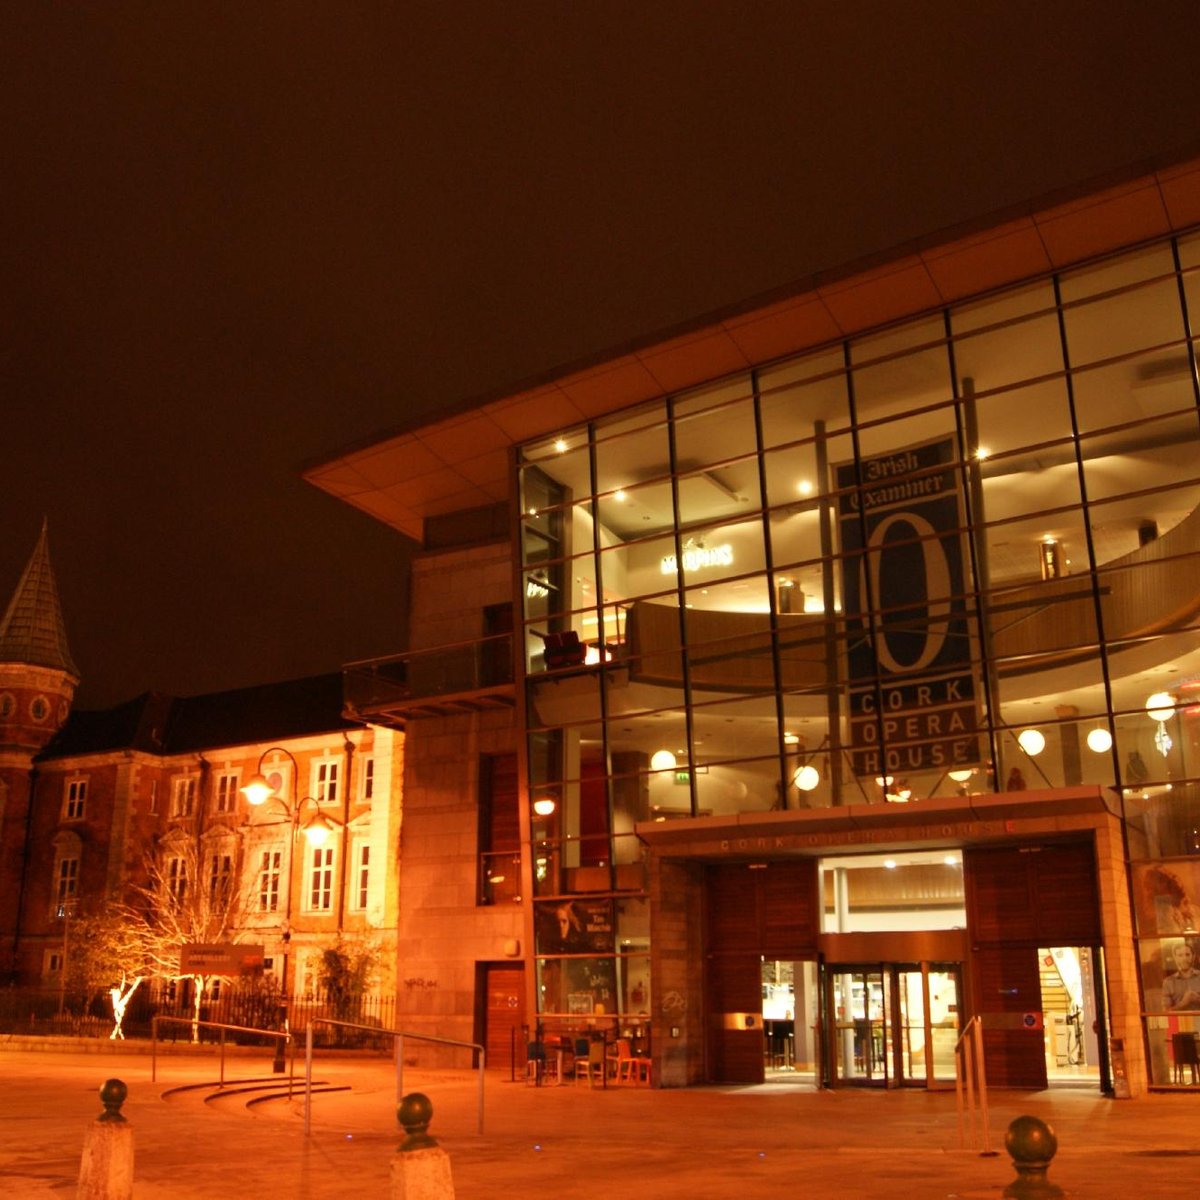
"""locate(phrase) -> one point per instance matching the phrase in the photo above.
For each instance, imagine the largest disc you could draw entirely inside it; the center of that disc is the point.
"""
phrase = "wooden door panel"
(769, 911)
(504, 1014)
(1008, 999)
(790, 913)
(1068, 910)
(1039, 895)
(1000, 899)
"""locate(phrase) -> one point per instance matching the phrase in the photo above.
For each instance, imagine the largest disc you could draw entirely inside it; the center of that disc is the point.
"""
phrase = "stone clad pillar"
(420, 1168)
(106, 1168)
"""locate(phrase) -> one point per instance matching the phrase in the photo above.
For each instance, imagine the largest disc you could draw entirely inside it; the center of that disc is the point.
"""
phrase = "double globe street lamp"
(258, 790)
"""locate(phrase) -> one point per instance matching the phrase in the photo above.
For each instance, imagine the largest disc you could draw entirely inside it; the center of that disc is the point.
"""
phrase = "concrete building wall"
(445, 932)
(451, 589)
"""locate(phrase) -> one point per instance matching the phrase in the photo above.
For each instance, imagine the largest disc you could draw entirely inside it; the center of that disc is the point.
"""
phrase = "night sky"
(238, 238)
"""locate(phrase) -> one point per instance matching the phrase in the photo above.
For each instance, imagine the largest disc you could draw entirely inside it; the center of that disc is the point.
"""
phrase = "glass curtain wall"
(958, 555)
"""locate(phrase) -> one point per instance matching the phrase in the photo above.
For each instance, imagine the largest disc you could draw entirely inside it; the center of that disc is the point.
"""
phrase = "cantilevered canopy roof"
(461, 461)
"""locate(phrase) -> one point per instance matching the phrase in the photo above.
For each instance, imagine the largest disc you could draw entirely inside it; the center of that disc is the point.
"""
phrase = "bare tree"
(107, 953)
(191, 897)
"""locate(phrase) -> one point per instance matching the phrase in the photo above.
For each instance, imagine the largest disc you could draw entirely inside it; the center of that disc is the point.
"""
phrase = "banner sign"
(913, 704)
(222, 958)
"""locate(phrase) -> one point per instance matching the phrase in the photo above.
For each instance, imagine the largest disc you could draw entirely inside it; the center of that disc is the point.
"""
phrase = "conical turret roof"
(32, 630)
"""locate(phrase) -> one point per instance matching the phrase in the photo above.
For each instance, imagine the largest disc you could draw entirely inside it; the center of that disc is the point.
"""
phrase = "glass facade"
(956, 556)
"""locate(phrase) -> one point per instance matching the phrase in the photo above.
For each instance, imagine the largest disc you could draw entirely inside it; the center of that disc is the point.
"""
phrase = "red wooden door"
(1018, 899)
(1008, 997)
(766, 910)
(504, 1015)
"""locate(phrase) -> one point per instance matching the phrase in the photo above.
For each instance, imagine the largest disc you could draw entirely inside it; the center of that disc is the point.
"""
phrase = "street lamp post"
(66, 910)
(258, 790)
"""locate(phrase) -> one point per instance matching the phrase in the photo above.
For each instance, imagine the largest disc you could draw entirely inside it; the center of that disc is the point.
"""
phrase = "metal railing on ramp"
(223, 1028)
(970, 1088)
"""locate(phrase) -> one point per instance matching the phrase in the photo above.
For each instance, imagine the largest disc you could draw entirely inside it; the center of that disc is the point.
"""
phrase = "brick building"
(91, 799)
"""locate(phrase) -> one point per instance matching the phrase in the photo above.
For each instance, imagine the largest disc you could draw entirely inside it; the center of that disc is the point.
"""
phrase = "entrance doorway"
(789, 1021)
(500, 1018)
(1070, 1014)
(892, 1024)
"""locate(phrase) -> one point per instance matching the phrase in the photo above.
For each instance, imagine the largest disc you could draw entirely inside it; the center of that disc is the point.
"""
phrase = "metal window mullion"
(680, 591)
(971, 471)
(772, 603)
(602, 673)
(1187, 322)
(865, 591)
(1085, 508)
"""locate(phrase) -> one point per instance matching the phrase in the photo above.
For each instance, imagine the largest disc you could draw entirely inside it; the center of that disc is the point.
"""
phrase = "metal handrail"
(272, 1033)
(398, 1036)
(426, 651)
(970, 1087)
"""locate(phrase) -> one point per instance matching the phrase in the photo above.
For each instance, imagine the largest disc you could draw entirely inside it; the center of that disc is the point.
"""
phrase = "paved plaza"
(571, 1141)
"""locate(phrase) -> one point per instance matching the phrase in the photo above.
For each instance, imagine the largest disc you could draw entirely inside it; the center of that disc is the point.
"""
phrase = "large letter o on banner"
(937, 583)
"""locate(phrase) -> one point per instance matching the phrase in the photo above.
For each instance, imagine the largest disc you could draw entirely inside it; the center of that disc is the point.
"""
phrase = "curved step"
(325, 1087)
(210, 1084)
(259, 1090)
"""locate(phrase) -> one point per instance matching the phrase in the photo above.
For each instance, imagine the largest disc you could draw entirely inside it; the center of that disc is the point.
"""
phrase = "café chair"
(630, 1068)
(589, 1061)
(1185, 1053)
(538, 1066)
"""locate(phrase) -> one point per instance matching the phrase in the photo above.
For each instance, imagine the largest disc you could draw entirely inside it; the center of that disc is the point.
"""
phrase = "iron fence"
(48, 1011)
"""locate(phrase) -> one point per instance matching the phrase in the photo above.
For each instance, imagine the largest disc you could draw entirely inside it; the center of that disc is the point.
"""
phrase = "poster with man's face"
(578, 926)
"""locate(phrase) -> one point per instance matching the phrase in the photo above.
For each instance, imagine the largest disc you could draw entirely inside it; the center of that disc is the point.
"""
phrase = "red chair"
(563, 650)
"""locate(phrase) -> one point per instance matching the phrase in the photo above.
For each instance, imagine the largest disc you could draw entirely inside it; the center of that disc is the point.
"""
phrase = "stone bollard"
(1032, 1144)
(420, 1168)
(106, 1169)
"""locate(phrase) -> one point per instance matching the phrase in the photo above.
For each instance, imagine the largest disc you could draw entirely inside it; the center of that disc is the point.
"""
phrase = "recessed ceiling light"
(560, 444)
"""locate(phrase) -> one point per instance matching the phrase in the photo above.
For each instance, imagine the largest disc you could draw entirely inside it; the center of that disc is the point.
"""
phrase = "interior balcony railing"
(441, 681)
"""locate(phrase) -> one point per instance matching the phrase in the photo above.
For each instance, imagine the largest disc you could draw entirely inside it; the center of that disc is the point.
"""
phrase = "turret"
(37, 673)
